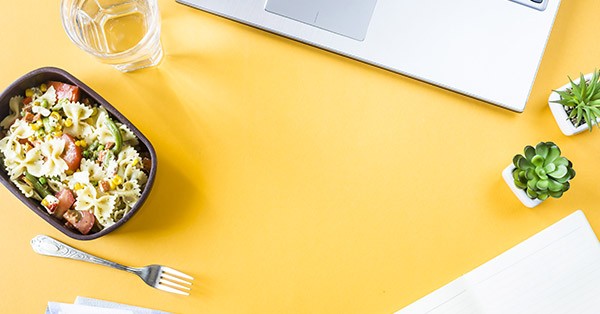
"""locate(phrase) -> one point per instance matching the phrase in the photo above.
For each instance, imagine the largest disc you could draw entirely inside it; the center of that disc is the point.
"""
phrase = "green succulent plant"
(542, 171)
(583, 100)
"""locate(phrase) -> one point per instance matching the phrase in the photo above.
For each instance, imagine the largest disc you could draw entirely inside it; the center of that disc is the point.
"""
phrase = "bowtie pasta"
(71, 156)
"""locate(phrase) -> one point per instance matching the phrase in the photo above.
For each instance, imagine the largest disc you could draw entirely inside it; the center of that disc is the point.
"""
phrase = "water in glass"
(124, 33)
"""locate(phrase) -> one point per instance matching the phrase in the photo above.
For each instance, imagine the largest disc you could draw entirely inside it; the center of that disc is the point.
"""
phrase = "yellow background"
(293, 180)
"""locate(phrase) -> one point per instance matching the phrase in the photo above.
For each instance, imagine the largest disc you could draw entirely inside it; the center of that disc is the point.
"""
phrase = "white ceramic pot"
(521, 195)
(560, 115)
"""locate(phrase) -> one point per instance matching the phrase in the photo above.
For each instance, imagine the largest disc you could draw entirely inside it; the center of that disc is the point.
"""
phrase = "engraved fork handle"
(45, 245)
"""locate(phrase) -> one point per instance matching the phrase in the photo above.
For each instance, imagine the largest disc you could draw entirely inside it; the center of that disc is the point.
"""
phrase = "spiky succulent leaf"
(584, 99)
(542, 172)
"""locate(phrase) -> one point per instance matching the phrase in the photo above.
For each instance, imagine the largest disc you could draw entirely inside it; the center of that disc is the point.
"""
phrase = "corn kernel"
(29, 92)
(55, 115)
(83, 143)
(112, 185)
(135, 162)
(69, 172)
(78, 186)
(117, 180)
(43, 88)
(35, 126)
(57, 133)
(68, 122)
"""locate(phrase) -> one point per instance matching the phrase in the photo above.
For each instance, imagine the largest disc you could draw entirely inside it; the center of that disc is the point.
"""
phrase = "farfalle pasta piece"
(92, 169)
(129, 192)
(49, 96)
(140, 176)
(17, 159)
(32, 163)
(57, 185)
(102, 133)
(21, 130)
(43, 103)
(15, 108)
(78, 113)
(119, 213)
(127, 162)
(20, 161)
(111, 167)
(11, 149)
(88, 198)
(52, 150)
(128, 136)
(26, 189)
(78, 178)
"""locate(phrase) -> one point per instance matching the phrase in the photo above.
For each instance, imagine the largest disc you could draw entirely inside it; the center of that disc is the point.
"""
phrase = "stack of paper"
(555, 271)
(93, 306)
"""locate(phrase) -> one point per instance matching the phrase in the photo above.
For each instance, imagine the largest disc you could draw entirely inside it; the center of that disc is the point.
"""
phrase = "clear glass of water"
(123, 33)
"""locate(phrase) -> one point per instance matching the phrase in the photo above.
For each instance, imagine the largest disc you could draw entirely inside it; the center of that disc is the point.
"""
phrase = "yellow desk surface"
(293, 180)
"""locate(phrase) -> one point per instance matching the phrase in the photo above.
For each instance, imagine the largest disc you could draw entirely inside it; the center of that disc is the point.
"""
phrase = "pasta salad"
(69, 154)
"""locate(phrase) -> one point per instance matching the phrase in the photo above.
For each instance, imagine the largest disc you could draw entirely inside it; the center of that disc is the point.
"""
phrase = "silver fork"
(157, 276)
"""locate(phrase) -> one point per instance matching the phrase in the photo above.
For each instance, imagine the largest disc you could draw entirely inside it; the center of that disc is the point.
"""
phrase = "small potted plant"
(539, 173)
(576, 105)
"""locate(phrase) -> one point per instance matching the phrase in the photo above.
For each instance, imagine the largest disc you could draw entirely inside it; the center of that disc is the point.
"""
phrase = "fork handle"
(45, 245)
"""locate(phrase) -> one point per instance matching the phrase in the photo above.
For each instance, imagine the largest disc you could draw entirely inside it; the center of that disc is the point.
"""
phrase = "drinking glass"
(123, 33)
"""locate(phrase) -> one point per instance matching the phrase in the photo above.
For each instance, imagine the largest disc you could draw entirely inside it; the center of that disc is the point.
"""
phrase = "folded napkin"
(85, 305)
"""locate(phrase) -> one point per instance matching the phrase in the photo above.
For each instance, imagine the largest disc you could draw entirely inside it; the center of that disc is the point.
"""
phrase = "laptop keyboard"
(535, 4)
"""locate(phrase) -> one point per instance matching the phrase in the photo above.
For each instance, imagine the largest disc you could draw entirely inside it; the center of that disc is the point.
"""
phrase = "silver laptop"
(486, 49)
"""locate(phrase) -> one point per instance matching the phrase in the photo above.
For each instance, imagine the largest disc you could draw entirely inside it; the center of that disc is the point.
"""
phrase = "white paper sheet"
(555, 271)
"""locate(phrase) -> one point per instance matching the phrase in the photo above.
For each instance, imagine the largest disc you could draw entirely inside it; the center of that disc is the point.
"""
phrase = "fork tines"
(174, 281)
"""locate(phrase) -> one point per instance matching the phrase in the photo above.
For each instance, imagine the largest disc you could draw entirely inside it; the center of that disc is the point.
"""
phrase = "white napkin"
(85, 305)
(64, 308)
